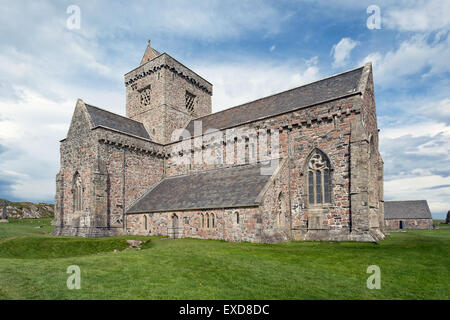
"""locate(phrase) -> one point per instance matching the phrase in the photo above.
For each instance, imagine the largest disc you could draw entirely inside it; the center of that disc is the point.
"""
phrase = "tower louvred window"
(190, 99)
(145, 96)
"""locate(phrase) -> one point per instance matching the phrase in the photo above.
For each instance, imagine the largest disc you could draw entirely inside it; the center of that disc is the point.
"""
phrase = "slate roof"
(313, 93)
(218, 188)
(410, 209)
(117, 122)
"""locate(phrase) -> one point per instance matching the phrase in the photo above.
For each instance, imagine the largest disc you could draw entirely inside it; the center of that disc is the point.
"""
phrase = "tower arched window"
(318, 178)
(77, 192)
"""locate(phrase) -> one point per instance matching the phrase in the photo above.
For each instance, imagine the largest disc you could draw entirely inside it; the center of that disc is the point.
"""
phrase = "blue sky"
(247, 49)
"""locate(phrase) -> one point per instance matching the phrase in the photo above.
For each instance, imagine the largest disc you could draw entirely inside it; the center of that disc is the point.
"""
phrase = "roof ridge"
(282, 92)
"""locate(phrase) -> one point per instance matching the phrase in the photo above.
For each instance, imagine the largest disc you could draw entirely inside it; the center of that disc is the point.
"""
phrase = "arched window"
(318, 178)
(213, 217)
(207, 220)
(77, 193)
(203, 221)
(145, 223)
(237, 217)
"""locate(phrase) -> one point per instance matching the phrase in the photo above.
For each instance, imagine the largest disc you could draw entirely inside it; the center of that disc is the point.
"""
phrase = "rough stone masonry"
(302, 164)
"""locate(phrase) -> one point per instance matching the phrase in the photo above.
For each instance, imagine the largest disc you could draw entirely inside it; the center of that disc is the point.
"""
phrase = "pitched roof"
(149, 54)
(409, 209)
(117, 122)
(218, 188)
(323, 90)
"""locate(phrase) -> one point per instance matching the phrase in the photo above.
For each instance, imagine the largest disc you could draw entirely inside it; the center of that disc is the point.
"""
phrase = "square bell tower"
(165, 95)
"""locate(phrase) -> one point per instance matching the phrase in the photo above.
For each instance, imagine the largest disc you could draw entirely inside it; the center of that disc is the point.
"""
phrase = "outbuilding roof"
(408, 209)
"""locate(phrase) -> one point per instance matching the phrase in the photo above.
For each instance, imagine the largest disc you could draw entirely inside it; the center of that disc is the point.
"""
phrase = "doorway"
(175, 225)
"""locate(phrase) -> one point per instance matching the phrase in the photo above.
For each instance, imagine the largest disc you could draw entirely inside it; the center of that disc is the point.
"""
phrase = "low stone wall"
(408, 223)
(241, 224)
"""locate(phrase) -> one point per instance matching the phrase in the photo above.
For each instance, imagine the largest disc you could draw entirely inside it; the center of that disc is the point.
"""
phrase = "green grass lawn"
(414, 265)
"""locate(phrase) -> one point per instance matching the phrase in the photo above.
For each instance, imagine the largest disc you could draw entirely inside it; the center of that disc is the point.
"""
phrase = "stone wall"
(326, 127)
(275, 206)
(78, 156)
(133, 166)
(409, 223)
(194, 224)
(115, 169)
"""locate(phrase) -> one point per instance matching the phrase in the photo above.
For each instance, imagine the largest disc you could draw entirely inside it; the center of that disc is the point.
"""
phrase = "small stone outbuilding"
(410, 214)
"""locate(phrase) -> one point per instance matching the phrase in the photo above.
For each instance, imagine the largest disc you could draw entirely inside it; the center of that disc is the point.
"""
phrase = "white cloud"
(414, 56)
(31, 137)
(237, 83)
(401, 189)
(430, 128)
(272, 48)
(207, 20)
(341, 51)
(419, 16)
(416, 158)
(439, 110)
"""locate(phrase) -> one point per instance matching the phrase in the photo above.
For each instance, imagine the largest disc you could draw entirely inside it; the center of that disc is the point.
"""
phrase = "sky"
(53, 52)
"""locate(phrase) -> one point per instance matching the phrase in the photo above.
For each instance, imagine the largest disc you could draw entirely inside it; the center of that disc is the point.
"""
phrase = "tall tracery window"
(318, 178)
(77, 193)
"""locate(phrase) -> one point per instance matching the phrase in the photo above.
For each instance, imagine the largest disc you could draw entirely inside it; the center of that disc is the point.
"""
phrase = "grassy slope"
(414, 265)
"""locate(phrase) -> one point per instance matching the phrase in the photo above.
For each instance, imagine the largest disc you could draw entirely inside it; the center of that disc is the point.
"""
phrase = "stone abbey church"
(302, 164)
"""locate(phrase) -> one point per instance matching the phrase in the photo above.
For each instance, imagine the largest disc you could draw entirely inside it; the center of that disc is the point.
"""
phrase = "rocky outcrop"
(24, 210)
